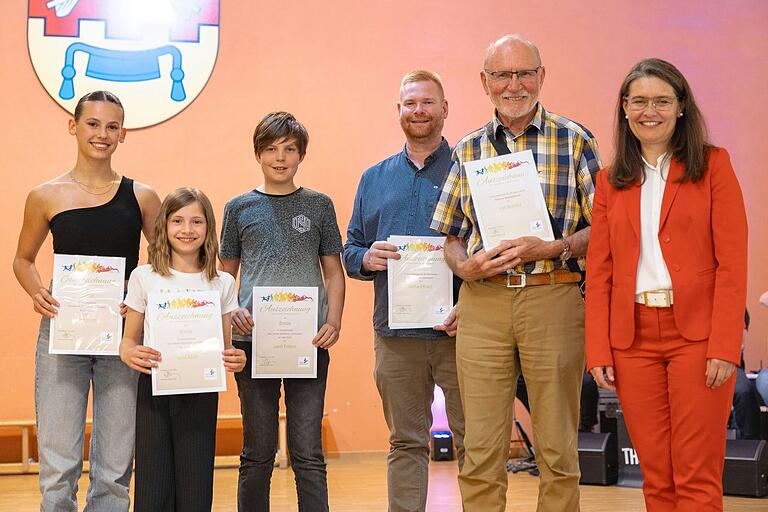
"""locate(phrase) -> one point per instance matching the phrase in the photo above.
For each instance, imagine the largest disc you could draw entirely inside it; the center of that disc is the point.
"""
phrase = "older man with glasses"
(521, 308)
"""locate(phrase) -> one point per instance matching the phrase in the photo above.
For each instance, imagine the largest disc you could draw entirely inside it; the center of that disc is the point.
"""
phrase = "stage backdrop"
(336, 65)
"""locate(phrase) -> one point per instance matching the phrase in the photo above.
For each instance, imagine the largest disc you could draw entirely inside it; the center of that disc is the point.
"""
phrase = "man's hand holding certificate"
(420, 284)
(89, 290)
(185, 327)
(508, 199)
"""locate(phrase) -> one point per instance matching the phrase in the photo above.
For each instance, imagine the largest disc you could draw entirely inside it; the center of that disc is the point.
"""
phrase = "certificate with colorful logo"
(420, 283)
(185, 327)
(508, 199)
(89, 290)
(285, 323)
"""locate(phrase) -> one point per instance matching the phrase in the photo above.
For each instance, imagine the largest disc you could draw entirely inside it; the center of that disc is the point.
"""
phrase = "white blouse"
(652, 273)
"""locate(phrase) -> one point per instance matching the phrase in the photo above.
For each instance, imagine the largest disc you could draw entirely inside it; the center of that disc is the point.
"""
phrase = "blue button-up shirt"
(394, 197)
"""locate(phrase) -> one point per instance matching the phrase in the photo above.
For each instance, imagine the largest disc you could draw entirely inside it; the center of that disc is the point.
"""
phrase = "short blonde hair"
(423, 75)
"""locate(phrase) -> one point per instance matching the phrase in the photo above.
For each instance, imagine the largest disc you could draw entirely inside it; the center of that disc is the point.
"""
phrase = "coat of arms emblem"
(156, 55)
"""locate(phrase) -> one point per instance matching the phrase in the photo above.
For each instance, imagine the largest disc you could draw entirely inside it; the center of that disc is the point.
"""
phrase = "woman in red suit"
(666, 287)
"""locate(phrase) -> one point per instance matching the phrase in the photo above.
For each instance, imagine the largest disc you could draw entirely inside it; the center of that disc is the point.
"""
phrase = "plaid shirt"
(567, 160)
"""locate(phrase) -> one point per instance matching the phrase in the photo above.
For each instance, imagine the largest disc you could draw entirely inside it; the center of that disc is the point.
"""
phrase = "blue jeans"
(259, 404)
(62, 384)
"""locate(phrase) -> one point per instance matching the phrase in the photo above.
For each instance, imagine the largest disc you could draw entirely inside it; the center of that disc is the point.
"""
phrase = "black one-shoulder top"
(110, 229)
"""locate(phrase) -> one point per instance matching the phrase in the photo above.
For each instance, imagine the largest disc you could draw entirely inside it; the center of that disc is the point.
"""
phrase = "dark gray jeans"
(259, 404)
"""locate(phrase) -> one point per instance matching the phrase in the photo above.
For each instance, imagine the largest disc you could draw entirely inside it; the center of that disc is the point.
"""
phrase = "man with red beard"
(397, 197)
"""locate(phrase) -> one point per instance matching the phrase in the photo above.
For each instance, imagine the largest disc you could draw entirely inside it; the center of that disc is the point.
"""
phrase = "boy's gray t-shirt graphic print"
(279, 240)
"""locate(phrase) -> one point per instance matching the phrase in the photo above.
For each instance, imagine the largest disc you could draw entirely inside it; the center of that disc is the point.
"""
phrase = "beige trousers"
(538, 330)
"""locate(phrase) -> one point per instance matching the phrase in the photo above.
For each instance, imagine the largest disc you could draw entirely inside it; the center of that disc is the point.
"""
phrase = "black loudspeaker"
(442, 445)
(598, 458)
(746, 467)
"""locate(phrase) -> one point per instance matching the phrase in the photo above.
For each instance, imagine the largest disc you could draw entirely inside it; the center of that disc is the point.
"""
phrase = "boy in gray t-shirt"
(283, 235)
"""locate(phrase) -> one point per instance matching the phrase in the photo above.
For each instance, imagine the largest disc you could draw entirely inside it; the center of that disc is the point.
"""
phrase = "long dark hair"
(689, 144)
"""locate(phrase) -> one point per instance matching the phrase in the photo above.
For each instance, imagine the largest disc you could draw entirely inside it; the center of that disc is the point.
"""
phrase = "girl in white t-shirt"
(176, 434)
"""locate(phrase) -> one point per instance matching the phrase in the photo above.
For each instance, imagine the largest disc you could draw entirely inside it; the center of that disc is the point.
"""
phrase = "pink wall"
(336, 65)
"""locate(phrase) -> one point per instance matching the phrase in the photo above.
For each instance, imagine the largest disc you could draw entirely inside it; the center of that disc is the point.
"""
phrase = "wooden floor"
(357, 483)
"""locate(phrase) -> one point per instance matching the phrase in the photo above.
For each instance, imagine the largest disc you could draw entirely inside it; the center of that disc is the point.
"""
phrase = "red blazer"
(703, 237)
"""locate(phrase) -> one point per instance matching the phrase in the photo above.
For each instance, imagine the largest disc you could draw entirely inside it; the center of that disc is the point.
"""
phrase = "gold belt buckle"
(657, 299)
(512, 275)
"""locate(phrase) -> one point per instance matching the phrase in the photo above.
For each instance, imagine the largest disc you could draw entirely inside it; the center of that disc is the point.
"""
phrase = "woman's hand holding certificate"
(44, 303)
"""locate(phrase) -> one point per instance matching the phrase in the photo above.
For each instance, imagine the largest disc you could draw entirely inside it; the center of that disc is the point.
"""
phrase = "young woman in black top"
(90, 210)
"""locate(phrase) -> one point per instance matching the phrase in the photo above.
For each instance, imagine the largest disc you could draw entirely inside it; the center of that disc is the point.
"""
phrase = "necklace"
(88, 188)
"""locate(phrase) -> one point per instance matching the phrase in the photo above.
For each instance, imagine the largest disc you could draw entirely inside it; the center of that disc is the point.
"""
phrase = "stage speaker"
(442, 445)
(746, 467)
(598, 458)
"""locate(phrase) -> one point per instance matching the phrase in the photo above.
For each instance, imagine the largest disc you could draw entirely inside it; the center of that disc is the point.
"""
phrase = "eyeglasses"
(660, 103)
(523, 75)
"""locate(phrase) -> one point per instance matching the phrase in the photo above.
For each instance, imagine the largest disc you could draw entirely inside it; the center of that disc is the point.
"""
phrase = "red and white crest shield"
(155, 55)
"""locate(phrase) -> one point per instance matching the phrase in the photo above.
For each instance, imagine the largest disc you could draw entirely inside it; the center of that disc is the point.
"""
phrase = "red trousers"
(676, 423)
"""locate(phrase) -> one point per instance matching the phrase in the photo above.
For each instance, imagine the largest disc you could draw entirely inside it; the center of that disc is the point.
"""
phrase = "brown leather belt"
(522, 280)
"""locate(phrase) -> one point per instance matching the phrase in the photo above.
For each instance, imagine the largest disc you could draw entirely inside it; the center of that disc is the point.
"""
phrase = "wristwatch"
(567, 253)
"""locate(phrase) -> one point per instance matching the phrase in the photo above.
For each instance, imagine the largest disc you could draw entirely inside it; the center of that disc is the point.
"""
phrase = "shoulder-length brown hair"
(689, 143)
(160, 249)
